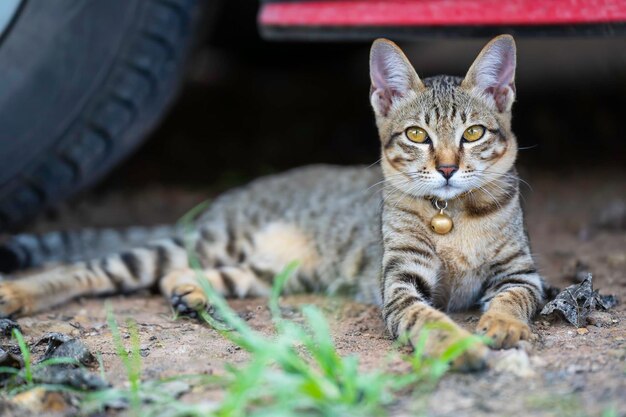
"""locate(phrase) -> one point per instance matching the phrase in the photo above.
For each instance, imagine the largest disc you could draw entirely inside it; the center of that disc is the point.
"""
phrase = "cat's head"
(444, 136)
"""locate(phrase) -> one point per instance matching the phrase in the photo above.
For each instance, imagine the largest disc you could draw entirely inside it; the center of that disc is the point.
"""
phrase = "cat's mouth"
(447, 191)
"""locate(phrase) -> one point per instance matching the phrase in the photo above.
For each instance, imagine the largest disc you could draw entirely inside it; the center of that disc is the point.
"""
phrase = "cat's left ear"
(492, 74)
(393, 77)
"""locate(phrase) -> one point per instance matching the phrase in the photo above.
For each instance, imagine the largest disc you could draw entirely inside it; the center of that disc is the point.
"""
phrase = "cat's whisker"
(375, 162)
(528, 147)
(506, 175)
(495, 181)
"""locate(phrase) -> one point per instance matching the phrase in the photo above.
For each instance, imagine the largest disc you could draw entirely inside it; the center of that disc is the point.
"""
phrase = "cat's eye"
(473, 133)
(416, 134)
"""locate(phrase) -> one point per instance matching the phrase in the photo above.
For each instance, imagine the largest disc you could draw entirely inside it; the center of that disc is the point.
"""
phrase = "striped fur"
(360, 231)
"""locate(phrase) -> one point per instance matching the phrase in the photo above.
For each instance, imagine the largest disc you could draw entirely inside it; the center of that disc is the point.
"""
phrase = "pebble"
(39, 400)
(576, 369)
(513, 361)
(582, 331)
(600, 319)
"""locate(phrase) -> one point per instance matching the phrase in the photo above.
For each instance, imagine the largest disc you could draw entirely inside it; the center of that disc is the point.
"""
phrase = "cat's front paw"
(14, 299)
(472, 359)
(188, 299)
(503, 329)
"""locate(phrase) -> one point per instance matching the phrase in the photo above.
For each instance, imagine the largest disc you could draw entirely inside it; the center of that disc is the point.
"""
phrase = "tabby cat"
(381, 234)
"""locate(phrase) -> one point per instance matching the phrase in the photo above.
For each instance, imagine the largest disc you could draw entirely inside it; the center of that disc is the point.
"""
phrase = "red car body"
(363, 19)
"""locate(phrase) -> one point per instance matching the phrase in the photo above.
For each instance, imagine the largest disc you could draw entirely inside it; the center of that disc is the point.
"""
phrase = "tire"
(82, 82)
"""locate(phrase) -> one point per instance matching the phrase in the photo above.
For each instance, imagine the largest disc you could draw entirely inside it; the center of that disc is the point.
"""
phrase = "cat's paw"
(188, 299)
(504, 330)
(14, 300)
(472, 359)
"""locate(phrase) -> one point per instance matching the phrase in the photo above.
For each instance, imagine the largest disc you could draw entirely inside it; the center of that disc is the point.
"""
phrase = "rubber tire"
(82, 83)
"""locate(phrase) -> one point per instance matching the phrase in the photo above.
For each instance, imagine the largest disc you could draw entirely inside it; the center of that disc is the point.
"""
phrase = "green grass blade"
(101, 367)
(132, 362)
(57, 361)
(28, 373)
(279, 283)
(9, 370)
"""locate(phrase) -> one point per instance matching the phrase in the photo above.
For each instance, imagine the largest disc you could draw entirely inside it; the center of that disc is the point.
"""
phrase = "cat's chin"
(447, 192)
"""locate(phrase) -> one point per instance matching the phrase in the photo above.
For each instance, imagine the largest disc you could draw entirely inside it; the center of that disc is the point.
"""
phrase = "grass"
(142, 398)
(28, 373)
(326, 384)
(25, 378)
(295, 372)
(132, 360)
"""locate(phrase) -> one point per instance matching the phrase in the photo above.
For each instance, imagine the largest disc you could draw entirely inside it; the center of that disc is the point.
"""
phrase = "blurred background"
(252, 106)
(235, 104)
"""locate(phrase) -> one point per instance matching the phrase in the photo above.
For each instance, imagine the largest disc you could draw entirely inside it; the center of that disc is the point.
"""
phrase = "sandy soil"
(570, 372)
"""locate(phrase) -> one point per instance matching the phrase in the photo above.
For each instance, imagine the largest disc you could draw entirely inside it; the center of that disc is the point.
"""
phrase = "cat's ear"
(392, 75)
(492, 74)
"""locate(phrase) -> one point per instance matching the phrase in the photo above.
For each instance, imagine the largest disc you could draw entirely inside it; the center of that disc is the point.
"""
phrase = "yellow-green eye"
(416, 134)
(473, 133)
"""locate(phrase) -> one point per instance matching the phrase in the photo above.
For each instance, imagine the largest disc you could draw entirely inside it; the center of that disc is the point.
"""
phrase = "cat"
(437, 227)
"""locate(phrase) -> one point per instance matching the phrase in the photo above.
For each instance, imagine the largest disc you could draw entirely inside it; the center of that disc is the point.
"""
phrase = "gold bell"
(441, 223)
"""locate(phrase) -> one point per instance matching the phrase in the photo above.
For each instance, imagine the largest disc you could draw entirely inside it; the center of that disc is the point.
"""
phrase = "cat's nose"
(447, 170)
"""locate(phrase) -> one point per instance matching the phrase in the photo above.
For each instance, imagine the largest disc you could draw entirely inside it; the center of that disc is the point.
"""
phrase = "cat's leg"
(185, 292)
(512, 296)
(410, 268)
(122, 272)
(126, 271)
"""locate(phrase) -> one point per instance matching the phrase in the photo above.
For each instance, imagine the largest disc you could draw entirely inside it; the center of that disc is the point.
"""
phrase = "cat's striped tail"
(33, 250)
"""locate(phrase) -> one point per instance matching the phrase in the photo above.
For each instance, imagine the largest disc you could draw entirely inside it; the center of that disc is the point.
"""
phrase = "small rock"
(9, 359)
(79, 378)
(144, 350)
(600, 319)
(39, 400)
(514, 361)
(7, 326)
(582, 331)
(575, 369)
(63, 346)
(233, 349)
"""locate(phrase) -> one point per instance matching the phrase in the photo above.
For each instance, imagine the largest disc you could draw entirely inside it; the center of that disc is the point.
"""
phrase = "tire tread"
(92, 144)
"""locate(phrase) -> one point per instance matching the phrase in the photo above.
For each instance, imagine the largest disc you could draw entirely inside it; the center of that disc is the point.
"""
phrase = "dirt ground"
(568, 372)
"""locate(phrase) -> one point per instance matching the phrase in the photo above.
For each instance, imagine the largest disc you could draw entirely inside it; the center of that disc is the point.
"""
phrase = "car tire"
(82, 83)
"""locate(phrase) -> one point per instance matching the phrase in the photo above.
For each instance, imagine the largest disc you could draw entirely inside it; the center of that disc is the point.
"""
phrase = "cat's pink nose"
(447, 170)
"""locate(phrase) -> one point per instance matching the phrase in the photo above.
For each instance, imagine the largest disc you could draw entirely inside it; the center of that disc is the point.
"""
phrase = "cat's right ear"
(392, 75)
